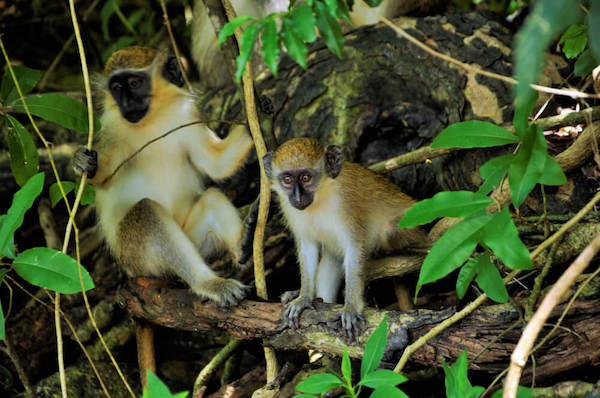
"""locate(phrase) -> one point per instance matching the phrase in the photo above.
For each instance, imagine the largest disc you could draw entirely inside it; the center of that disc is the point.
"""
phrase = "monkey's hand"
(85, 160)
(288, 296)
(293, 309)
(225, 292)
(353, 322)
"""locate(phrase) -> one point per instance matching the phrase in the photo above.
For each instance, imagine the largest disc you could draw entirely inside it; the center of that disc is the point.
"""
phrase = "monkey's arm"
(220, 158)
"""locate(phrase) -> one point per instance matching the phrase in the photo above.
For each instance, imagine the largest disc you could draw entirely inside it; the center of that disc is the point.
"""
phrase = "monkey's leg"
(149, 242)
(351, 315)
(329, 277)
(308, 254)
(214, 222)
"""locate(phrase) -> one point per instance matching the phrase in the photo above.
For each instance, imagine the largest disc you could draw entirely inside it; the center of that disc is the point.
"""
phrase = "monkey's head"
(131, 74)
(297, 167)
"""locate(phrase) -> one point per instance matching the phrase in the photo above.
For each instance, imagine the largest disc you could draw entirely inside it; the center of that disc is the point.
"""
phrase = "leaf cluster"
(582, 41)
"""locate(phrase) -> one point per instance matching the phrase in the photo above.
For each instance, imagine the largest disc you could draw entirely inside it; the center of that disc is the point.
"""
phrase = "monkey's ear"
(172, 73)
(268, 164)
(334, 158)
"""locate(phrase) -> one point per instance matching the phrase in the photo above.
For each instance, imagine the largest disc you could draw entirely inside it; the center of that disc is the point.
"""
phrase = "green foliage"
(522, 392)
(27, 79)
(23, 153)
(51, 269)
(493, 171)
(473, 134)
(526, 168)
(574, 40)
(383, 381)
(87, 197)
(158, 389)
(22, 201)
(457, 382)
(593, 22)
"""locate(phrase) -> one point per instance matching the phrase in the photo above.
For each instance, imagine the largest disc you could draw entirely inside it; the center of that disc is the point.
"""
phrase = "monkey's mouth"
(135, 116)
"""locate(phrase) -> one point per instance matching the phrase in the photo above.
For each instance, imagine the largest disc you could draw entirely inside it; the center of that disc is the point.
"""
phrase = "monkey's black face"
(300, 186)
(132, 90)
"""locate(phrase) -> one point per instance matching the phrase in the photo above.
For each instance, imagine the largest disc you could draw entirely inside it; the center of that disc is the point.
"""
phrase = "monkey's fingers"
(292, 311)
(290, 295)
(228, 292)
(353, 324)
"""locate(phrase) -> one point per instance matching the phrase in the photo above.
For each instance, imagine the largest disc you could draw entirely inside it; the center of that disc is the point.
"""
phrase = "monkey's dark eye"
(287, 179)
(305, 178)
(134, 82)
(116, 86)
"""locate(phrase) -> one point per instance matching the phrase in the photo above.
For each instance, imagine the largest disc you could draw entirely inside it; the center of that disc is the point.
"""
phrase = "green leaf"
(522, 112)
(332, 7)
(107, 11)
(157, 389)
(473, 134)
(330, 29)
(527, 167)
(545, 20)
(585, 64)
(2, 328)
(23, 153)
(381, 378)
(52, 270)
(552, 173)
(60, 109)
(346, 367)
(593, 23)
(388, 392)
(493, 171)
(304, 23)
(294, 45)
(452, 249)
(22, 201)
(502, 237)
(319, 383)
(574, 40)
(490, 281)
(343, 11)
(270, 45)
(457, 383)
(467, 273)
(54, 191)
(522, 392)
(444, 204)
(9, 251)
(230, 28)
(27, 79)
(248, 39)
(89, 194)
(374, 349)
(373, 3)
(305, 396)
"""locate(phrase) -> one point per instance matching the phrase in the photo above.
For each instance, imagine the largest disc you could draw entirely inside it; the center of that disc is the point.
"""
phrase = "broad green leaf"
(522, 392)
(594, 28)
(452, 249)
(270, 45)
(373, 3)
(330, 29)
(248, 39)
(52, 270)
(27, 79)
(60, 109)
(388, 392)
(230, 27)
(89, 194)
(473, 134)
(545, 20)
(294, 45)
(585, 64)
(22, 201)
(2, 328)
(344, 11)
(157, 389)
(332, 7)
(444, 204)
(493, 171)
(374, 349)
(467, 273)
(56, 195)
(9, 251)
(381, 378)
(319, 383)
(502, 237)
(305, 396)
(552, 173)
(23, 153)
(304, 23)
(457, 383)
(490, 281)
(527, 167)
(346, 367)
(574, 40)
(522, 112)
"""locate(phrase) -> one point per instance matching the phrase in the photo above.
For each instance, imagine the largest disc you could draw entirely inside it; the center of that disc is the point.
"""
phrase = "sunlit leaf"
(444, 204)
(330, 29)
(457, 383)
(527, 167)
(473, 134)
(51, 269)
(59, 109)
(319, 383)
(22, 201)
(388, 392)
(502, 237)
(493, 171)
(490, 281)
(270, 45)
(346, 366)
(248, 39)
(522, 392)
(381, 378)
(230, 28)
(157, 389)
(574, 40)
(23, 153)
(304, 23)
(294, 45)
(27, 79)
(374, 349)
(552, 173)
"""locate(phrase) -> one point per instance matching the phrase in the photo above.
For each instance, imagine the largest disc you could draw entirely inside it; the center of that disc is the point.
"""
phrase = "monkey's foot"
(353, 323)
(288, 296)
(85, 160)
(293, 309)
(225, 292)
